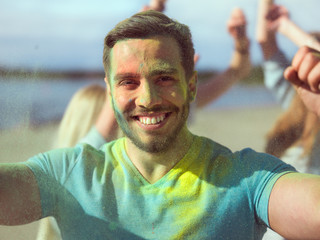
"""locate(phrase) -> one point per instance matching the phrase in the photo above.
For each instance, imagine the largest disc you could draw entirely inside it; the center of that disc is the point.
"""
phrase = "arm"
(264, 35)
(239, 66)
(294, 206)
(304, 73)
(19, 195)
(262, 32)
(297, 35)
(274, 60)
(277, 20)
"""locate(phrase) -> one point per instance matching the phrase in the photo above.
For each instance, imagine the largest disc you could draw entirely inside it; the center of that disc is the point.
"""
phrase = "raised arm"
(262, 32)
(157, 5)
(106, 123)
(239, 67)
(289, 29)
(19, 195)
(276, 19)
(304, 73)
(265, 36)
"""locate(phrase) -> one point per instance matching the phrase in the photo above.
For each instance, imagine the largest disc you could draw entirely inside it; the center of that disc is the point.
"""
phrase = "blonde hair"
(80, 115)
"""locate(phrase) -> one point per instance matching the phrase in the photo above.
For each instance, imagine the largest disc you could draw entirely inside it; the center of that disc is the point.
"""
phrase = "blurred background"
(49, 49)
(68, 35)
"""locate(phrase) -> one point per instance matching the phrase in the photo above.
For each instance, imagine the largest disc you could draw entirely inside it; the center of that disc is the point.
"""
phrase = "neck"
(153, 166)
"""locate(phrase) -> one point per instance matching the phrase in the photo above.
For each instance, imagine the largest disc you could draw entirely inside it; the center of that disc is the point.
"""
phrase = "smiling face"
(149, 90)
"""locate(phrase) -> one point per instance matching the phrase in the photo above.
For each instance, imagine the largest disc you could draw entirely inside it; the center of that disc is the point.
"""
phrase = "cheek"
(121, 101)
(177, 96)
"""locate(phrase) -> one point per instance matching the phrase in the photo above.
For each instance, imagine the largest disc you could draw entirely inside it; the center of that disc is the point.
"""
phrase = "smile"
(152, 120)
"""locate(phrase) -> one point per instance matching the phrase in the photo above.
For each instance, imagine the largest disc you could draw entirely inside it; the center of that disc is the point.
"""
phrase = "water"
(38, 101)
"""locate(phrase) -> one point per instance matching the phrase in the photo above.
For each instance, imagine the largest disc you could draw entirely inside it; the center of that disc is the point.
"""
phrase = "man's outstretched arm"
(19, 195)
(294, 206)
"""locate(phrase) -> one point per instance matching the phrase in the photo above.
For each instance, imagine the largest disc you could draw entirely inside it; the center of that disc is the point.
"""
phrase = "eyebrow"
(155, 72)
(121, 76)
(163, 71)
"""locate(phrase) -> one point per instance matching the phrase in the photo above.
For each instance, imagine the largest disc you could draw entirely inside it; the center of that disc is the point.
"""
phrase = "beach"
(235, 128)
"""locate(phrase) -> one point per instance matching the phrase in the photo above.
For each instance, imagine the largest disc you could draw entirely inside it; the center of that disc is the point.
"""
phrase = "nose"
(148, 96)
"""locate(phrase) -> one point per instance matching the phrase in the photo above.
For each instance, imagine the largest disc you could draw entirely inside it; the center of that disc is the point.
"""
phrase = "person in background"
(89, 119)
(274, 59)
(239, 67)
(296, 126)
(295, 136)
(273, 19)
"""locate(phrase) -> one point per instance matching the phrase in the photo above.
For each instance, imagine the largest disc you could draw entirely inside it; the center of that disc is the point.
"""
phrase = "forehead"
(133, 54)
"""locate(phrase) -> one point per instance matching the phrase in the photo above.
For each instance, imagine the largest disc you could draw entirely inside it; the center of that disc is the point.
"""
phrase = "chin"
(158, 145)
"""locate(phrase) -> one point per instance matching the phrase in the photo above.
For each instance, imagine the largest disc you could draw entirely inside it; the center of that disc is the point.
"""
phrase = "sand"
(235, 128)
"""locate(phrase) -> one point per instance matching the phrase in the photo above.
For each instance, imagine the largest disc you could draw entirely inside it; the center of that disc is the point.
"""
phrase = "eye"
(128, 83)
(165, 79)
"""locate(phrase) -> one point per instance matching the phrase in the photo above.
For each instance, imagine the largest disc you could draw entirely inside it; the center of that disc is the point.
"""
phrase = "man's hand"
(304, 73)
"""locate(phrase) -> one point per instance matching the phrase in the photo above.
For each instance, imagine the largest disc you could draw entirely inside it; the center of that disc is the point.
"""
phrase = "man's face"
(150, 94)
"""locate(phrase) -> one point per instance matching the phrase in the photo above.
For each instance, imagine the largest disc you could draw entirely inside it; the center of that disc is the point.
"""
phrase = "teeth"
(151, 120)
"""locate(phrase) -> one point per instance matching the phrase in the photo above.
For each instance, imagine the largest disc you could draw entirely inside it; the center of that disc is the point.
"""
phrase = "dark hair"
(149, 24)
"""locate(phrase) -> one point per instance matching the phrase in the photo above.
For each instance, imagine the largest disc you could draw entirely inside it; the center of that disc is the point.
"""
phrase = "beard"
(159, 143)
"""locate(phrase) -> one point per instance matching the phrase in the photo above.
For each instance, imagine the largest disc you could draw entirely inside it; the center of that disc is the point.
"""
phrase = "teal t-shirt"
(211, 193)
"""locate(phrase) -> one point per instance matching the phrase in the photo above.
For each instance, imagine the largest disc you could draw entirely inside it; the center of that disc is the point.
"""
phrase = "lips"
(152, 119)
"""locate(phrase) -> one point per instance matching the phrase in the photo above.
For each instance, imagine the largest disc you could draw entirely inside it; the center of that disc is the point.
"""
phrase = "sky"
(68, 35)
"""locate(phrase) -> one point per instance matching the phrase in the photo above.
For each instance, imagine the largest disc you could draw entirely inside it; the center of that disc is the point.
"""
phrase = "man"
(160, 181)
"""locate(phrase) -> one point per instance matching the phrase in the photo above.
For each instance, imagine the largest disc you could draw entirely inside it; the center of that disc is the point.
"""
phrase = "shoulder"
(245, 163)
(258, 161)
(58, 163)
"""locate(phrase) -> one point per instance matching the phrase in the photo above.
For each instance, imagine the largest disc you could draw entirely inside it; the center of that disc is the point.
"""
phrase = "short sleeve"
(51, 170)
(274, 80)
(263, 170)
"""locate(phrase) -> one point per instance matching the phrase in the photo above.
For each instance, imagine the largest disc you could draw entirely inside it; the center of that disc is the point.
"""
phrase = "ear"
(192, 85)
